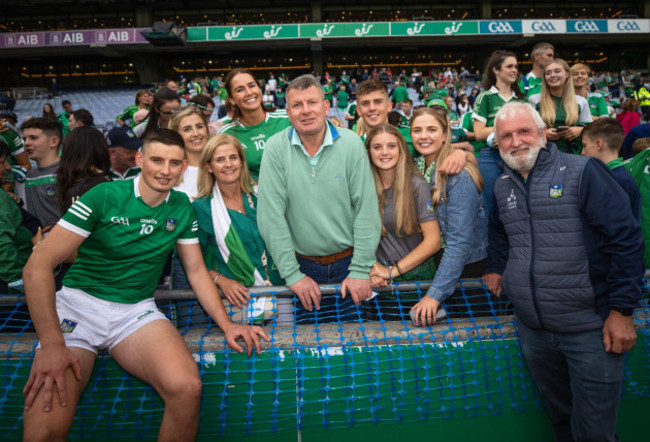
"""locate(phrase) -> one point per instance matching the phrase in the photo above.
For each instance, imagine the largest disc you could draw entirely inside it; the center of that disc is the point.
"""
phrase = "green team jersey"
(130, 173)
(342, 98)
(534, 84)
(64, 119)
(584, 117)
(254, 138)
(467, 123)
(128, 113)
(597, 105)
(405, 121)
(13, 140)
(406, 133)
(487, 105)
(328, 90)
(400, 94)
(127, 241)
(352, 109)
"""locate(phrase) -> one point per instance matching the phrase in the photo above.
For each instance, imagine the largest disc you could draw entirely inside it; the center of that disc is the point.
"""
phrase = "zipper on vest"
(531, 270)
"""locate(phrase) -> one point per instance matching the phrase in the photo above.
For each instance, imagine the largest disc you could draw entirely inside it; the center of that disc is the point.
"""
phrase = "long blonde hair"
(406, 222)
(569, 103)
(206, 179)
(439, 192)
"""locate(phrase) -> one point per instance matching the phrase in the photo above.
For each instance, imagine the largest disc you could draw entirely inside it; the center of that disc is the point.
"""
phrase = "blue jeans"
(188, 313)
(179, 278)
(579, 382)
(332, 307)
(488, 165)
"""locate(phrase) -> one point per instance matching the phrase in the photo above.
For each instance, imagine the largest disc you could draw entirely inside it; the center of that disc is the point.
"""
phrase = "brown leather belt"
(328, 259)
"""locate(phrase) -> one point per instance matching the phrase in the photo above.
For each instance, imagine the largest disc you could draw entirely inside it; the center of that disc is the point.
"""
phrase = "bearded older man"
(568, 252)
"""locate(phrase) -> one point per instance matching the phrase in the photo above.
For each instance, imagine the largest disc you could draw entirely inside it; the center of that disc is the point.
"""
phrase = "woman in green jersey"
(501, 87)
(143, 99)
(251, 123)
(564, 112)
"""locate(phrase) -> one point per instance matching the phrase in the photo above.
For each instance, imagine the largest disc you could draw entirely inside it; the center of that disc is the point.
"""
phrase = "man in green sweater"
(318, 211)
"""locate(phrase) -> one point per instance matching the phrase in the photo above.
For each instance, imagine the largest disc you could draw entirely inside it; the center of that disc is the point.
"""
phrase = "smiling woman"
(501, 87)
(226, 210)
(564, 112)
(192, 126)
(251, 124)
(410, 231)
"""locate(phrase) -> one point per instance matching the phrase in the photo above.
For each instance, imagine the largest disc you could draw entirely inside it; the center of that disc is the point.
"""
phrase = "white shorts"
(94, 324)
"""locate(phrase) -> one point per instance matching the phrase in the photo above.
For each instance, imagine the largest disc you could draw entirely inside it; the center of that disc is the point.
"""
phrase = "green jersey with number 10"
(254, 138)
(127, 241)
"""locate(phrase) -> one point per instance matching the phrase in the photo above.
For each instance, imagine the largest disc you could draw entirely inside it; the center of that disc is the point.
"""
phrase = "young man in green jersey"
(122, 232)
(541, 54)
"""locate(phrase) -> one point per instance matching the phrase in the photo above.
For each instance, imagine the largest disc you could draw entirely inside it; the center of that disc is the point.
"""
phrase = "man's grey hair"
(305, 82)
(539, 48)
(510, 111)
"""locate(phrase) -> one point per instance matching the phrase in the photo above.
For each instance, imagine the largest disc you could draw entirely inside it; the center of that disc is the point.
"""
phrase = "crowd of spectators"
(223, 108)
(359, 179)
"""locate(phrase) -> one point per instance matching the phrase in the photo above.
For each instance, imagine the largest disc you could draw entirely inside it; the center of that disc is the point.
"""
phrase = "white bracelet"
(216, 278)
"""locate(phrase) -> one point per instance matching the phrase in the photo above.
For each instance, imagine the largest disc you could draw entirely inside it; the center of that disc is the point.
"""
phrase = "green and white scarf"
(230, 245)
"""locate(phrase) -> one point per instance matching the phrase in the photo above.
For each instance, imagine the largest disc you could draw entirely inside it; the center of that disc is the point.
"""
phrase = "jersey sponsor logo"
(120, 220)
(149, 221)
(170, 226)
(501, 27)
(67, 326)
(629, 26)
(543, 26)
(555, 191)
(586, 26)
(80, 210)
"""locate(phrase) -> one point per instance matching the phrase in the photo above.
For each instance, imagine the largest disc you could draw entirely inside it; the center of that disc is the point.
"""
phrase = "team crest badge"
(67, 326)
(171, 225)
(555, 191)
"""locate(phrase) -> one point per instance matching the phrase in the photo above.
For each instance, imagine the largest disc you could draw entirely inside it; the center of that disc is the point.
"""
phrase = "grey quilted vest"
(547, 273)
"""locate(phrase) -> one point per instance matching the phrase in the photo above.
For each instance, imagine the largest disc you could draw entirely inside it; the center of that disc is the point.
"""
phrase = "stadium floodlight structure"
(166, 34)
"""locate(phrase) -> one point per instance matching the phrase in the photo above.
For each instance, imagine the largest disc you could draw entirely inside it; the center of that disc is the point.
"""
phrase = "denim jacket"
(464, 228)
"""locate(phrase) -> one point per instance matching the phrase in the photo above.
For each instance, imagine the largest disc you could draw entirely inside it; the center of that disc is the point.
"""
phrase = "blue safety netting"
(340, 367)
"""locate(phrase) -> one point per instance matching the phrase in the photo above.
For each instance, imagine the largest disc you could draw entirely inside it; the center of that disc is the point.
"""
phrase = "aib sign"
(500, 27)
(586, 26)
